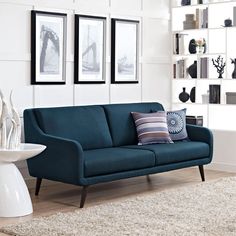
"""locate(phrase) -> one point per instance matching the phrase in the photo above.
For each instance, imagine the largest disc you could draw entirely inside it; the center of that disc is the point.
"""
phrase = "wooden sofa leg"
(38, 185)
(201, 169)
(83, 196)
(148, 179)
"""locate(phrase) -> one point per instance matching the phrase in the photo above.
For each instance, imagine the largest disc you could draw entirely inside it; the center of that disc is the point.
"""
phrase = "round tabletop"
(25, 151)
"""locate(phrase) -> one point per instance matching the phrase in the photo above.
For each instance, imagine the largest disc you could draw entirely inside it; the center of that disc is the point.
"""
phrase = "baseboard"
(221, 167)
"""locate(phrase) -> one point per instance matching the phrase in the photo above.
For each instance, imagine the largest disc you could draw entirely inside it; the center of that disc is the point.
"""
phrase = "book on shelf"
(204, 67)
(174, 71)
(201, 18)
(179, 44)
(214, 96)
(234, 16)
(194, 120)
(181, 69)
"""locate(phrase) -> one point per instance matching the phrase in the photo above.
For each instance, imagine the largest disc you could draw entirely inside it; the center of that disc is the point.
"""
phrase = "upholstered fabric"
(121, 123)
(151, 127)
(69, 132)
(177, 152)
(113, 160)
(146, 171)
(176, 121)
(85, 124)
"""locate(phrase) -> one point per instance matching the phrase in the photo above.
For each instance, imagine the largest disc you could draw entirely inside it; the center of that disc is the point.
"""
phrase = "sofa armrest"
(201, 134)
(62, 160)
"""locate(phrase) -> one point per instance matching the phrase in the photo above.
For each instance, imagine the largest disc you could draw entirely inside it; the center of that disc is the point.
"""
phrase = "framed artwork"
(124, 51)
(90, 32)
(48, 47)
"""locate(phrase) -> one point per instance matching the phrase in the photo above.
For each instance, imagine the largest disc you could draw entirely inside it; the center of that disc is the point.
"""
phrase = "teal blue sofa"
(87, 145)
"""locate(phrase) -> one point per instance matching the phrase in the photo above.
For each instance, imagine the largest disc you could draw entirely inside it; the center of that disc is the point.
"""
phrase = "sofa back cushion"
(121, 123)
(85, 124)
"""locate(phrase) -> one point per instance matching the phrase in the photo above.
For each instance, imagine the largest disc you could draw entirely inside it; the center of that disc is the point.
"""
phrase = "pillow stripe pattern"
(151, 127)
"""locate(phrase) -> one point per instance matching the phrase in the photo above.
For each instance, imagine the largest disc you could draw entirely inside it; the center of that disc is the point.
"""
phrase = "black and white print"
(89, 49)
(124, 51)
(48, 41)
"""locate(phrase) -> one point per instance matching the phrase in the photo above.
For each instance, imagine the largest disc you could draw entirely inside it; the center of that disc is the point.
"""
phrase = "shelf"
(205, 4)
(202, 29)
(203, 104)
(189, 30)
(210, 79)
(198, 54)
(220, 41)
(190, 103)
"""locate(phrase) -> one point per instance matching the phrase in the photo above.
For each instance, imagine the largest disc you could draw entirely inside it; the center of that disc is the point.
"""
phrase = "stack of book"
(204, 67)
(201, 18)
(189, 22)
(180, 69)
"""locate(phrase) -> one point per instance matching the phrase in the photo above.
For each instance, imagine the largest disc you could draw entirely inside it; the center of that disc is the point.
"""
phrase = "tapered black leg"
(83, 196)
(201, 169)
(148, 179)
(38, 184)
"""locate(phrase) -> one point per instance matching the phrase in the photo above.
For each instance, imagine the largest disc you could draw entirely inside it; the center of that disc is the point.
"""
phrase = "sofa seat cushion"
(113, 160)
(176, 152)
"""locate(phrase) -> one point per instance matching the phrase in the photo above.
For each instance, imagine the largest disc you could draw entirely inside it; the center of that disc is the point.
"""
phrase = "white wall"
(224, 151)
(154, 60)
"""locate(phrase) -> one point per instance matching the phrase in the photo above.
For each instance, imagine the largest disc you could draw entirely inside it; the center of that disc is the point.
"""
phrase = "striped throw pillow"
(151, 127)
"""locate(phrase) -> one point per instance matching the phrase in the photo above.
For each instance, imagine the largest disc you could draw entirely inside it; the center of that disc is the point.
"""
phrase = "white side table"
(14, 195)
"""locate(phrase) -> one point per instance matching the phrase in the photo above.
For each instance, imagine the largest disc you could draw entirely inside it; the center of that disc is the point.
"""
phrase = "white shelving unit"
(220, 40)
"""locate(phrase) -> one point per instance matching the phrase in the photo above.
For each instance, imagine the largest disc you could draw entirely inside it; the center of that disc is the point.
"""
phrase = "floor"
(57, 197)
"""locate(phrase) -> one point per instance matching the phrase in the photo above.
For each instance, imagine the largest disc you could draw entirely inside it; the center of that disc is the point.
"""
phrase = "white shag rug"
(200, 210)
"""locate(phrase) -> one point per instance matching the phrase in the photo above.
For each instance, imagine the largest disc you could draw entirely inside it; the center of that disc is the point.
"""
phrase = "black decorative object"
(219, 65)
(192, 46)
(228, 22)
(192, 70)
(205, 46)
(184, 96)
(185, 2)
(233, 61)
(214, 96)
(193, 94)
(194, 120)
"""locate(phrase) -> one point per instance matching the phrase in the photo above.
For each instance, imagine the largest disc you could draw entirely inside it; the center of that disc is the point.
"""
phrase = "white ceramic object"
(14, 136)
(14, 195)
(3, 122)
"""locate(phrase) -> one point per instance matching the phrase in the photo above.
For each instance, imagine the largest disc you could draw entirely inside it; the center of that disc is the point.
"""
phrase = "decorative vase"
(234, 72)
(185, 2)
(184, 96)
(228, 22)
(192, 46)
(200, 49)
(193, 94)
(192, 70)
(205, 47)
